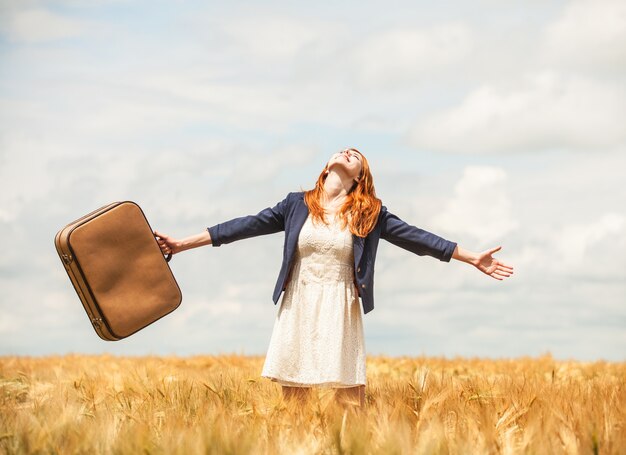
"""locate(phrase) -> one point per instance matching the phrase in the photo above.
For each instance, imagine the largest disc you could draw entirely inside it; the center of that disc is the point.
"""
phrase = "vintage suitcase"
(118, 270)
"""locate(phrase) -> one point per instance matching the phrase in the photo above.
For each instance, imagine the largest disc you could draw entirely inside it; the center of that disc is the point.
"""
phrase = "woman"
(331, 239)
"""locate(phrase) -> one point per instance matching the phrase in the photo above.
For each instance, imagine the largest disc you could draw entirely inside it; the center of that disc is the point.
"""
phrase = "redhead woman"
(327, 274)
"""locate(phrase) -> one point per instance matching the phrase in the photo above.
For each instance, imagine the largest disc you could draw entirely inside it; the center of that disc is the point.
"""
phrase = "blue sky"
(490, 123)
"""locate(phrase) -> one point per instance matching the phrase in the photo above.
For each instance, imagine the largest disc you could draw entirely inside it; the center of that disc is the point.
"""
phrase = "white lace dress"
(317, 338)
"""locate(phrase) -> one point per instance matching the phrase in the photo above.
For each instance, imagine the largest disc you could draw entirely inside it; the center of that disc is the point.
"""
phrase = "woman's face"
(348, 159)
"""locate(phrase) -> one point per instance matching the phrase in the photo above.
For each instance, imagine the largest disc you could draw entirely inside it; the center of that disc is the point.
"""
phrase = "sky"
(488, 123)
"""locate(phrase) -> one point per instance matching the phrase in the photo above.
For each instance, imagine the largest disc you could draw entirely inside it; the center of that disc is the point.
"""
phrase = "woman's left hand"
(491, 266)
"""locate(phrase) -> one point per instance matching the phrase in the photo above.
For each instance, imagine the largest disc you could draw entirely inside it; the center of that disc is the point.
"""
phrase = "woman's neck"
(336, 186)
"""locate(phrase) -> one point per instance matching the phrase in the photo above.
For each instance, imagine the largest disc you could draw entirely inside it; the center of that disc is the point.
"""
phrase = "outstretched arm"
(171, 245)
(267, 221)
(484, 262)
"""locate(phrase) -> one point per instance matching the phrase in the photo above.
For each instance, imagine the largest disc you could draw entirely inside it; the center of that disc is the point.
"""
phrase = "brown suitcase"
(118, 270)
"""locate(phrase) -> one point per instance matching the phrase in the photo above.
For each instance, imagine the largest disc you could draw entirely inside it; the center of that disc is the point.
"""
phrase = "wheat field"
(79, 404)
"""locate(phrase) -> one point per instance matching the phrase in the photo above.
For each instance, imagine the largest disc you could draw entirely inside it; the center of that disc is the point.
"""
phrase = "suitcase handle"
(168, 256)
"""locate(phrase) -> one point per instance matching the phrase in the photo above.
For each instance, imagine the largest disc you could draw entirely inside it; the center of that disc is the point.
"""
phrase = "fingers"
(493, 274)
(162, 241)
(505, 270)
(499, 273)
(165, 247)
(161, 238)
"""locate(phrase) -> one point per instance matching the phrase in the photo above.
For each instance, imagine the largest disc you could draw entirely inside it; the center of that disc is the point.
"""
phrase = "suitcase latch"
(67, 258)
(96, 322)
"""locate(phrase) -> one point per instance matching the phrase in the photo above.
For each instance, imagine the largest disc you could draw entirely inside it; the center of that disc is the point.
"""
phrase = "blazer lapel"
(358, 249)
(300, 214)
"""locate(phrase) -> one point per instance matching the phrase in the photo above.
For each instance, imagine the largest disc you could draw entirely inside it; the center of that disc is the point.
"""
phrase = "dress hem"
(326, 384)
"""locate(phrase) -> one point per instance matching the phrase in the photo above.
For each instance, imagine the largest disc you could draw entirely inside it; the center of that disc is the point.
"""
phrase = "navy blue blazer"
(290, 214)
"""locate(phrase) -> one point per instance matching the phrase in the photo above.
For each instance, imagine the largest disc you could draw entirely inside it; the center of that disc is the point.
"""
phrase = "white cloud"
(276, 37)
(587, 247)
(204, 309)
(24, 173)
(575, 243)
(39, 25)
(480, 206)
(589, 33)
(540, 112)
(10, 325)
(581, 261)
(6, 216)
(400, 55)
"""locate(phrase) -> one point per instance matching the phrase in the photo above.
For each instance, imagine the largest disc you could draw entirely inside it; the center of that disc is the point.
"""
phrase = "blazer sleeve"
(267, 221)
(414, 239)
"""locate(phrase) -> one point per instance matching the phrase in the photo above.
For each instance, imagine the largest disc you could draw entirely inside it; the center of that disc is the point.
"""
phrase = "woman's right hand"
(168, 244)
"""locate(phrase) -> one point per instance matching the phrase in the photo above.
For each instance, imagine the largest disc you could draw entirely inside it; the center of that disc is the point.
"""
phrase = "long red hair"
(361, 208)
